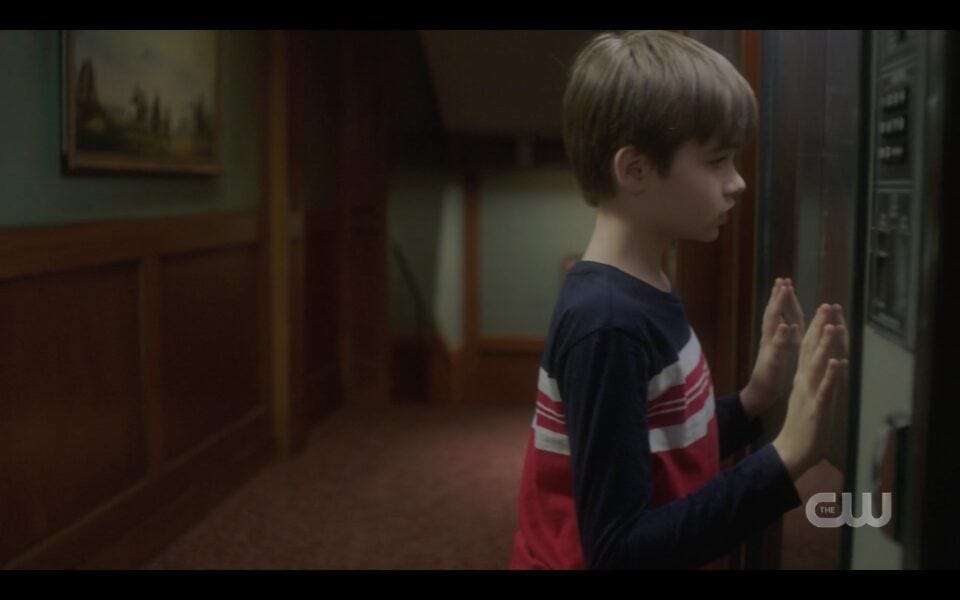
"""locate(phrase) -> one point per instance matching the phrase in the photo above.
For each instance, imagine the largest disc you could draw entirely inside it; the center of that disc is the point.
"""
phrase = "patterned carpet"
(386, 487)
(404, 487)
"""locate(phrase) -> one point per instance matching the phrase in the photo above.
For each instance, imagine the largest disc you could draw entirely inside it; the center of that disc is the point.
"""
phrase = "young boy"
(622, 467)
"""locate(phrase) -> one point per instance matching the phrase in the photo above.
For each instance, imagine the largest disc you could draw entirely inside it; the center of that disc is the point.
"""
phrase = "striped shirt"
(622, 468)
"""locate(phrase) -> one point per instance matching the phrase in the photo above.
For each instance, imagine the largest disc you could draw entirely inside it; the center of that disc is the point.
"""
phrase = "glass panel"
(808, 189)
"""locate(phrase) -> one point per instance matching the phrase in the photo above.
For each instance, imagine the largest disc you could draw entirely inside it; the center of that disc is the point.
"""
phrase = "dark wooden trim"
(129, 529)
(412, 359)
(744, 254)
(300, 419)
(323, 367)
(296, 93)
(446, 379)
(37, 250)
(150, 362)
(512, 345)
(764, 550)
(468, 364)
(365, 100)
(507, 370)
(277, 241)
(295, 226)
(264, 292)
(144, 541)
(446, 372)
(750, 170)
(493, 152)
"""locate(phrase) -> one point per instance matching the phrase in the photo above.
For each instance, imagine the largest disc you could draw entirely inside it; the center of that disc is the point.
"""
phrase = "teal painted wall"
(531, 220)
(425, 214)
(36, 192)
(448, 295)
(413, 223)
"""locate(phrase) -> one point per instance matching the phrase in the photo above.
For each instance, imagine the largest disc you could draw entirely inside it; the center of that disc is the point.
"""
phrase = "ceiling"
(501, 83)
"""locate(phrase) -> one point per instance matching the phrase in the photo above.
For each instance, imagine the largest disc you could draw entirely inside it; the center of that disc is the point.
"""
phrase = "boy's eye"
(719, 161)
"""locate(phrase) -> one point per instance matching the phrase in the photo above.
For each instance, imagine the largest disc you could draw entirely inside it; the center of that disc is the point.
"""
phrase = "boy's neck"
(619, 242)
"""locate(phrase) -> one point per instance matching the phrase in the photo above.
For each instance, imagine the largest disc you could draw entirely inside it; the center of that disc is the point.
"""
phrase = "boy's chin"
(704, 235)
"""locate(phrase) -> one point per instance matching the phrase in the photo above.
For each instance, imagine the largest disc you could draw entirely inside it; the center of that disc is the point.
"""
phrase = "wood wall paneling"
(411, 359)
(444, 372)
(130, 368)
(365, 100)
(424, 369)
(321, 314)
(157, 514)
(151, 380)
(276, 209)
(508, 370)
(132, 385)
(71, 416)
(36, 250)
(136, 524)
(210, 343)
(313, 134)
(299, 418)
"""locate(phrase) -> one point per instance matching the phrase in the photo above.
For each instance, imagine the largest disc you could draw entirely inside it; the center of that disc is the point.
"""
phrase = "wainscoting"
(425, 369)
(509, 368)
(132, 393)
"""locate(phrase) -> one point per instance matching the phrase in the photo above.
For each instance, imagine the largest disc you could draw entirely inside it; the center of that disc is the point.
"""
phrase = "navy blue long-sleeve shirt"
(623, 464)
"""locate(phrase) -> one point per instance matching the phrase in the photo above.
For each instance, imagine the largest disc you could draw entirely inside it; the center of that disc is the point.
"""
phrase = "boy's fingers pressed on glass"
(822, 354)
(840, 342)
(829, 385)
(846, 333)
(795, 308)
(812, 337)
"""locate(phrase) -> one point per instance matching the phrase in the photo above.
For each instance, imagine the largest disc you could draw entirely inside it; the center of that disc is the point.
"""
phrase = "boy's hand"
(822, 373)
(782, 332)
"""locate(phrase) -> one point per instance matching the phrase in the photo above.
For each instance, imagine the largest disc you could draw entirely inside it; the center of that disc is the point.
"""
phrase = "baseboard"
(140, 523)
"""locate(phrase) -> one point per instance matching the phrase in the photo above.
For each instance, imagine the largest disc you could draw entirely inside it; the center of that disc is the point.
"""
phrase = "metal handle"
(889, 453)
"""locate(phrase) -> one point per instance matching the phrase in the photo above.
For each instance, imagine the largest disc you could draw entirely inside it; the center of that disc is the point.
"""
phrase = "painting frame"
(130, 143)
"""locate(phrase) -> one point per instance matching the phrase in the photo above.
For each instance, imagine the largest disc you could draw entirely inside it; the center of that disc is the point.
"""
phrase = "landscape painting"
(144, 101)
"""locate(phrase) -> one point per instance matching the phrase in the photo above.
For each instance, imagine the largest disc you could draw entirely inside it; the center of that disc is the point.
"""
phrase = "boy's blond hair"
(654, 90)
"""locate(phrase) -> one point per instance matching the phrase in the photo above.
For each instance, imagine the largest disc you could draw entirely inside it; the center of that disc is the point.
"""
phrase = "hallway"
(205, 308)
(386, 487)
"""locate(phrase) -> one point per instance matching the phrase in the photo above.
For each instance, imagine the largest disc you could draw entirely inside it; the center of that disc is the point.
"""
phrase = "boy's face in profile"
(693, 199)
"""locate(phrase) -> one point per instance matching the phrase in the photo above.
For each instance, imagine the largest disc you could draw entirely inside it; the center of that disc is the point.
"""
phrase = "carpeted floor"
(387, 487)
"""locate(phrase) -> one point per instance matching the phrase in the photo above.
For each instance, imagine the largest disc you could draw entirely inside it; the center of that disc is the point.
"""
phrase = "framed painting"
(143, 101)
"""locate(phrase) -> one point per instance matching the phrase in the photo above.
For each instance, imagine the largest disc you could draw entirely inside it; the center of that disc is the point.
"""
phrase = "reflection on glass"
(890, 262)
(902, 258)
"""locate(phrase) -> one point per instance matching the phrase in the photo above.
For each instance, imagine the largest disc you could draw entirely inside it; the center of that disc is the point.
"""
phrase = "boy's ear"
(631, 170)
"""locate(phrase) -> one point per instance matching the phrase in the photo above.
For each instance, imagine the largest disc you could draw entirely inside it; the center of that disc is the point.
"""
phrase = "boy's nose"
(735, 187)
(739, 183)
